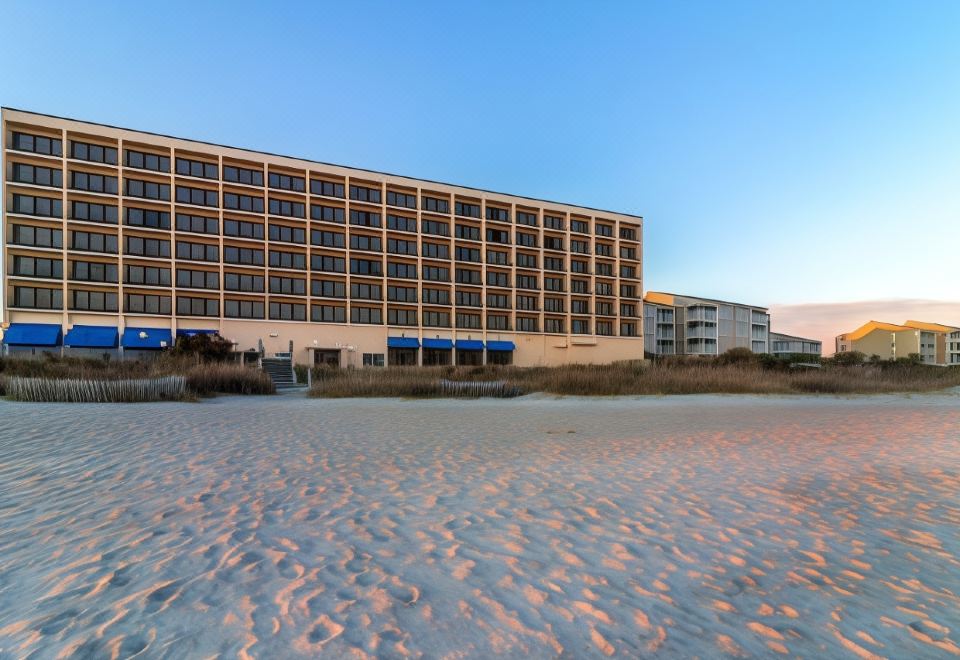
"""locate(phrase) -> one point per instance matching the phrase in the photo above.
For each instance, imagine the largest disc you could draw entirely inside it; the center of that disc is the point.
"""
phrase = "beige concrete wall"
(878, 342)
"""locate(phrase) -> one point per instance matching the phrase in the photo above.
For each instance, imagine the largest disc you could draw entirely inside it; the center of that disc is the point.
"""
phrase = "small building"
(783, 345)
(890, 341)
(687, 325)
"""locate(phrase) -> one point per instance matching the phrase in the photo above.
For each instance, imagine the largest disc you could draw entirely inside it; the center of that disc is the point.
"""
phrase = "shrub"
(210, 379)
(207, 348)
(848, 358)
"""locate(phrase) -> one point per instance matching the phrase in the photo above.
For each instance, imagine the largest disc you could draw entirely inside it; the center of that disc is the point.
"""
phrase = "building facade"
(891, 341)
(784, 345)
(685, 325)
(953, 347)
(120, 238)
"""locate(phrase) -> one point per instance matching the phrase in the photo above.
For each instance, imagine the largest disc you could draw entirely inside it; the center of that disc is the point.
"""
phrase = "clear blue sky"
(781, 152)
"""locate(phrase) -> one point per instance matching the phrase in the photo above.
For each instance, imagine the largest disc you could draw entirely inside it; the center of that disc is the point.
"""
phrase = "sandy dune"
(537, 527)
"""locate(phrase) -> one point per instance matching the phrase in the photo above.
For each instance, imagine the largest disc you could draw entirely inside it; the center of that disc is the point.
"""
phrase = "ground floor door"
(402, 357)
(499, 357)
(329, 357)
(469, 358)
(437, 356)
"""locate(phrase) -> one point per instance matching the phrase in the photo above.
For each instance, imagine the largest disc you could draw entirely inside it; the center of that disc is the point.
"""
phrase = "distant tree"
(849, 358)
(207, 348)
(739, 355)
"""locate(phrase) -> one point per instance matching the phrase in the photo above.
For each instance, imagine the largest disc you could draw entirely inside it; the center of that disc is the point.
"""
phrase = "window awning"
(190, 332)
(149, 338)
(92, 336)
(501, 346)
(469, 345)
(439, 344)
(403, 342)
(33, 334)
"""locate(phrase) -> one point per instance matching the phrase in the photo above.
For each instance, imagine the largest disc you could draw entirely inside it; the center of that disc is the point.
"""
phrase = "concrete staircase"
(281, 372)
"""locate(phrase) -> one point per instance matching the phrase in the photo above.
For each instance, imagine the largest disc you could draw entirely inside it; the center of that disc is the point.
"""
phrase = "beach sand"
(537, 527)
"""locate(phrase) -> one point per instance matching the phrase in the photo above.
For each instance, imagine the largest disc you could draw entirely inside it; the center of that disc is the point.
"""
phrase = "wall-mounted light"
(274, 334)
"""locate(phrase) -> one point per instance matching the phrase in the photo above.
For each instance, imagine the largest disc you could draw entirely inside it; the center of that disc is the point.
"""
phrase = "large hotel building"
(116, 239)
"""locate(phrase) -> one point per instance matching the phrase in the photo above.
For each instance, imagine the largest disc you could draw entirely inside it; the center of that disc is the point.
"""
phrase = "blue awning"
(469, 345)
(147, 338)
(501, 346)
(403, 342)
(441, 344)
(189, 332)
(92, 336)
(33, 334)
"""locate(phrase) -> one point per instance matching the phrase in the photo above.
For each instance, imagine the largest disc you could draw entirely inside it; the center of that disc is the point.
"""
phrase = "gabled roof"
(932, 327)
(870, 326)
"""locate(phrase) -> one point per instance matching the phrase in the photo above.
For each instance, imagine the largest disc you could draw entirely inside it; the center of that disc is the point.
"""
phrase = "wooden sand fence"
(71, 390)
(494, 388)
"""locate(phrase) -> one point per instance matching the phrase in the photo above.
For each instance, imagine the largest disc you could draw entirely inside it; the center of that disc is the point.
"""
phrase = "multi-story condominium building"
(685, 325)
(953, 347)
(782, 345)
(114, 237)
(890, 341)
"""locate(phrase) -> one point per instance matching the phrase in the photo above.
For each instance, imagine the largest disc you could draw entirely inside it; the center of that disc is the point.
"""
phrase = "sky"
(789, 154)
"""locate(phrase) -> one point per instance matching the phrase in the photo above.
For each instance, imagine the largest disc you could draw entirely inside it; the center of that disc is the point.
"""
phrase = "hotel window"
(528, 303)
(243, 309)
(93, 301)
(363, 242)
(495, 278)
(246, 203)
(435, 251)
(435, 296)
(468, 321)
(498, 322)
(435, 228)
(603, 249)
(628, 329)
(139, 303)
(497, 257)
(197, 224)
(287, 182)
(146, 275)
(326, 213)
(432, 319)
(93, 153)
(245, 256)
(293, 260)
(145, 161)
(468, 276)
(468, 298)
(398, 246)
(401, 316)
(288, 311)
(436, 274)
(500, 215)
(327, 264)
(401, 270)
(527, 324)
(366, 267)
(498, 300)
(366, 291)
(37, 144)
(38, 176)
(628, 233)
(402, 294)
(527, 260)
(197, 251)
(580, 326)
(580, 226)
(628, 252)
(497, 236)
(580, 247)
(326, 188)
(243, 282)
(147, 247)
(628, 291)
(362, 194)
(601, 229)
(401, 199)
(628, 271)
(466, 210)
(579, 286)
(328, 314)
(604, 308)
(373, 359)
(242, 229)
(146, 189)
(286, 208)
(40, 206)
(467, 232)
(37, 236)
(401, 223)
(197, 279)
(196, 196)
(555, 305)
(196, 168)
(604, 269)
(367, 315)
(327, 238)
(553, 284)
(553, 222)
(553, 263)
(554, 326)
(579, 306)
(628, 309)
(364, 218)
(34, 298)
(436, 205)
(91, 271)
(527, 282)
(604, 289)
(526, 240)
(90, 242)
(605, 328)
(146, 218)
(524, 218)
(467, 254)
(190, 306)
(286, 234)
(553, 243)
(244, 176)
(577, 266)
(93, 212)
(37, 267)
